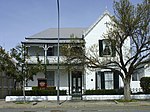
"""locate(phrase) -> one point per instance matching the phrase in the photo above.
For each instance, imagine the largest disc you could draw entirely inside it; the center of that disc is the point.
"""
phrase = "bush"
(104, 92)
(47, 88)
(38, 92)
(145, 84)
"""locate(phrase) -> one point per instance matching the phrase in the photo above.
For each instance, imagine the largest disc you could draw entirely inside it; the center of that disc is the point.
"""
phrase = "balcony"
(50, 59)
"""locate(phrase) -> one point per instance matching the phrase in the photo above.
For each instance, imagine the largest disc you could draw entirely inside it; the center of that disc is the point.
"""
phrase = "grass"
(20, 102)
(123, 100)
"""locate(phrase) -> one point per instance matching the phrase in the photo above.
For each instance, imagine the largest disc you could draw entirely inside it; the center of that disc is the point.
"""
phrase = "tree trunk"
(24, 95)
(127, 92)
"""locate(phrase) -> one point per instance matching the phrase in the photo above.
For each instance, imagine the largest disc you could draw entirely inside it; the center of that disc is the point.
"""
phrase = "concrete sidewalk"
(71, 104)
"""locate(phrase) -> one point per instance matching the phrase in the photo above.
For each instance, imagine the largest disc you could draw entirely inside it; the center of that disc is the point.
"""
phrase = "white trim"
(35, 98)
(114, 97)
(84, 97)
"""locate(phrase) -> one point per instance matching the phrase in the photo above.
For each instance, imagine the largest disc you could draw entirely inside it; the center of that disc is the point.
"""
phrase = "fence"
(136, 90)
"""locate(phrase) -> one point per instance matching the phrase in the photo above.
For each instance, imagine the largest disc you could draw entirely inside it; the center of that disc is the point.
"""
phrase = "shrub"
(38, 92)
(145, 84)
(104, 92)
(47, 88)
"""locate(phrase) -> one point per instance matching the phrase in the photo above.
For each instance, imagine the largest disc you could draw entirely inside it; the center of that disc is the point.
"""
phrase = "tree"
(24, 71)
(73, 55)
(129, 24)
(7, 64)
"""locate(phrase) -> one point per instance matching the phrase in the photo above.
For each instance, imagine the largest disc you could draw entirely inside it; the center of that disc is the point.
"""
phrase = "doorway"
(77, 82)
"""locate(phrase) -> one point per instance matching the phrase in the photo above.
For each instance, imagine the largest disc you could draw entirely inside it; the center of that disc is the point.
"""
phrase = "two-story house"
(45, 45)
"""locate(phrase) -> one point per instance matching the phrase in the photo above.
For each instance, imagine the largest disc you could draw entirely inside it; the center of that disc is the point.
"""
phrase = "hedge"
(104, 92)
(47, 88)
(38, 92)
(145, 84)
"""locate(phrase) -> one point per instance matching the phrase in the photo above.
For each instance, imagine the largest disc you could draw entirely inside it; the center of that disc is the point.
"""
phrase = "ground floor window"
(50, 78)
(107, 80)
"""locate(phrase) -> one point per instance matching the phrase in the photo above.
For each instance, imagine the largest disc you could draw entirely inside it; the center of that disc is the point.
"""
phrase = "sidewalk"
(71, 104)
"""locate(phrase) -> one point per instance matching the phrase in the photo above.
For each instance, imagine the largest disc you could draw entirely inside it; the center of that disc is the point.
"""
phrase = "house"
(45, 45)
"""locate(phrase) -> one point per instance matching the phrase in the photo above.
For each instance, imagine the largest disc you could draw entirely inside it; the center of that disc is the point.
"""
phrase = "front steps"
(76, 96)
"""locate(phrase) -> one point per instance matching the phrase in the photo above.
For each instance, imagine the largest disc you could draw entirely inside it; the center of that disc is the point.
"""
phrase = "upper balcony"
(46, 60)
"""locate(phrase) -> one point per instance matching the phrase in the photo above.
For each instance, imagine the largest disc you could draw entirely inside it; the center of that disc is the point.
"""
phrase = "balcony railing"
(48, 60)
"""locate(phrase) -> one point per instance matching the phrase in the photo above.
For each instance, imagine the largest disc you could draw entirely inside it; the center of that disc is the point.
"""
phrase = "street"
(82, 109)
(76, 106)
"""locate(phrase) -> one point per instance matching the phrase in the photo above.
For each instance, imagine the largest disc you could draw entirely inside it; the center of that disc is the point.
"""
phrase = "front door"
(76, 82)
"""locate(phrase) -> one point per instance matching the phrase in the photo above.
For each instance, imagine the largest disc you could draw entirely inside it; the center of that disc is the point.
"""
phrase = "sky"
(23, 18)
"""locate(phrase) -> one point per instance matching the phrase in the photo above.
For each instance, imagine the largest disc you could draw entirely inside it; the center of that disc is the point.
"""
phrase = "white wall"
(90, 79)
(96, 33)
(93, 35)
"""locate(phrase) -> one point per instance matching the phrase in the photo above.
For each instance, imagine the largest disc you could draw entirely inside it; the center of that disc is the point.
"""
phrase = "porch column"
(45, 48)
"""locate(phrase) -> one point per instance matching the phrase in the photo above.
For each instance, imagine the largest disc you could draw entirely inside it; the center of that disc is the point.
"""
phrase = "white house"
(45, 45)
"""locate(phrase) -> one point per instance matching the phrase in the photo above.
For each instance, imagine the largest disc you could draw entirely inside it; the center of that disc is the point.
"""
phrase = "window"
(108, 80)
(106, 48)
(50, 78)
(104, 80)
(35, 50)
(50, 51)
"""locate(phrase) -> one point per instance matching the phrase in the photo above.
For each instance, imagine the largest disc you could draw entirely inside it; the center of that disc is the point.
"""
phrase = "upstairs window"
(106, 48)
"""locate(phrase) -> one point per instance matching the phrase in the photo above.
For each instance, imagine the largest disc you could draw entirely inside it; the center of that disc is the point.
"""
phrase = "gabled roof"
(51, 33)
(99, 19)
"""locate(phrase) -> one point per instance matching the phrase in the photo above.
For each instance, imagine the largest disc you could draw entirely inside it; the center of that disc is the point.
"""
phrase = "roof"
(52, 33)
(43, 41)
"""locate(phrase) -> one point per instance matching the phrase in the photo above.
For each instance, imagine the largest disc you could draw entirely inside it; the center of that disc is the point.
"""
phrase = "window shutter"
(100, 48)
(113, 45)
(116, 80)
(102, 80)
(96, 81)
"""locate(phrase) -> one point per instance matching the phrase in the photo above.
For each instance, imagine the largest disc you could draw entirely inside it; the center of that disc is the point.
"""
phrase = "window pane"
(50, 78)
(108, 80)
(50, 51)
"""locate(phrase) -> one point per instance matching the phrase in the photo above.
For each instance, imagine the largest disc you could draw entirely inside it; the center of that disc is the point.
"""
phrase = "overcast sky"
(23, 18)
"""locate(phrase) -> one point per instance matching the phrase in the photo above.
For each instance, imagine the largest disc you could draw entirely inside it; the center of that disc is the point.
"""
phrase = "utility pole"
(58, 72)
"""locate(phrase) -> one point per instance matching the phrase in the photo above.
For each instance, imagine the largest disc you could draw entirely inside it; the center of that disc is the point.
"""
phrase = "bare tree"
(130, 24)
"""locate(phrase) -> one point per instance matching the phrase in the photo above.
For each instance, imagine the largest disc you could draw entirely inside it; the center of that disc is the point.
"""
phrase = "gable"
(95, 32)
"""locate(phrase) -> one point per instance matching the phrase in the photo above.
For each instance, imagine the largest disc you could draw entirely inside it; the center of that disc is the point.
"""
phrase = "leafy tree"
(24, 70)
(7, 64)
